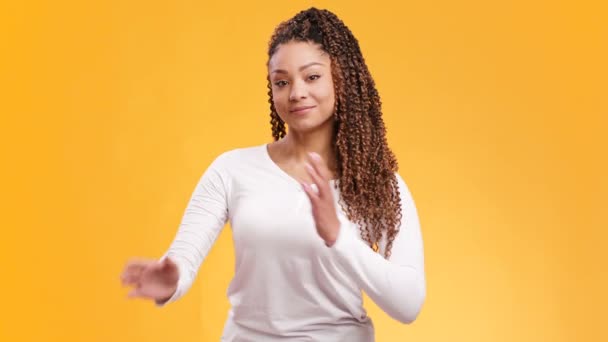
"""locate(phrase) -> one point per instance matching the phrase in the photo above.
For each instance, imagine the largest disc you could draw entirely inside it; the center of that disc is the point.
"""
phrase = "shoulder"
(239, 154)
(230, 165)
(404, 190)
(239, 159)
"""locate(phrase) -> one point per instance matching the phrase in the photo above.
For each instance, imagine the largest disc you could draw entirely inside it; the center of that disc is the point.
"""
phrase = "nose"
(297, 91)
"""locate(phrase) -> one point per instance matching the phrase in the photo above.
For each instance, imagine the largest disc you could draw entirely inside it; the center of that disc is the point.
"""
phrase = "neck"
(298, 145)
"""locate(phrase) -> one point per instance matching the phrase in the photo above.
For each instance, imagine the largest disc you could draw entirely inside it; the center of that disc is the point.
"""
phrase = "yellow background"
(111, 110)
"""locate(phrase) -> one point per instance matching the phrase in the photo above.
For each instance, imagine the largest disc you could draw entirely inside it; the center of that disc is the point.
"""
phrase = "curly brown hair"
(365, 164)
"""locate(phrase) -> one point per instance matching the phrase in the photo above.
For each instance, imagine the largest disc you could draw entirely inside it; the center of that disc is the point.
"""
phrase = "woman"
(317, 216)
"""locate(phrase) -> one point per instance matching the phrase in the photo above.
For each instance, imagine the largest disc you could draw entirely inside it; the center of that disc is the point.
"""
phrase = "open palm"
(151, 279)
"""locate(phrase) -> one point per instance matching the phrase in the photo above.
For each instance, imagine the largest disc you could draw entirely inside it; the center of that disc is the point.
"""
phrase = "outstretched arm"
(203, 220)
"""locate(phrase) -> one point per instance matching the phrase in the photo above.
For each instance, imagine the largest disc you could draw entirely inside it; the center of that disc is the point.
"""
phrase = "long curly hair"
(365, 164)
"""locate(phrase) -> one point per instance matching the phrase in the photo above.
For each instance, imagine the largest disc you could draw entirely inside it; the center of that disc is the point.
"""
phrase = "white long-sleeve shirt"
(288, 285)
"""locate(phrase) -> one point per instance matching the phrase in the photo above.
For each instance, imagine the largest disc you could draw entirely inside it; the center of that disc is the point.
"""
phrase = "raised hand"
(151, 279)
(322, 201)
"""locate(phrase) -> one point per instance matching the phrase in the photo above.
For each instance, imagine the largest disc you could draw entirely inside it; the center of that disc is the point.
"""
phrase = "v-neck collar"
(279, 171)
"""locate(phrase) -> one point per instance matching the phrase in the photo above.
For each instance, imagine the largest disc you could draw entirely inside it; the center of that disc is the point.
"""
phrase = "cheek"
(281, 104)
(278, 99)
(327, 95)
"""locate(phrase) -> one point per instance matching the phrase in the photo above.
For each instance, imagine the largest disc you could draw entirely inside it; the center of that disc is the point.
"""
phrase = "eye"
(313, 77)
(280, 84)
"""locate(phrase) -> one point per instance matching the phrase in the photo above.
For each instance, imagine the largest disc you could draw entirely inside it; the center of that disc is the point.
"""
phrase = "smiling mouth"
(301, 109)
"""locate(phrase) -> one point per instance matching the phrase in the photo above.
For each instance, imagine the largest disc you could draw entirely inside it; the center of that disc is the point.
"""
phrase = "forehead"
(295, 54)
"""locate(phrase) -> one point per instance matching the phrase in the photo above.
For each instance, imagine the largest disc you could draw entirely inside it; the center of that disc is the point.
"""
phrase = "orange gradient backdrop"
(111, 111)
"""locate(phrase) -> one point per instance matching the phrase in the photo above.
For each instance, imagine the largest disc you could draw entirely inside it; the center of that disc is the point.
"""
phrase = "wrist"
(333, 237)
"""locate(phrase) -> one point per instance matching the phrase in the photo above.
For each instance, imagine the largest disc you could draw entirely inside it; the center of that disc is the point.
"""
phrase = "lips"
(301, 109)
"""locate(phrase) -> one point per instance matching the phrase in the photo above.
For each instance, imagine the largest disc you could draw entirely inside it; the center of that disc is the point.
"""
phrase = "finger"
(125, 275)
(137, 262)
(317, 177)
(130, 278)
(135, 265)
(319, 164)
(134, 269)
(135, 293)
(312, 195)
(138, 292)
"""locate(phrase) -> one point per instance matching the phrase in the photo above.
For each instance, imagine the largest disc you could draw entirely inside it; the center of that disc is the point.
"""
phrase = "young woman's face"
(302, 85)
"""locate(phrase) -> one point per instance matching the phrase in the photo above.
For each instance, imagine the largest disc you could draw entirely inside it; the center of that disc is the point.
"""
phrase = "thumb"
(167, 263)
(159, 265)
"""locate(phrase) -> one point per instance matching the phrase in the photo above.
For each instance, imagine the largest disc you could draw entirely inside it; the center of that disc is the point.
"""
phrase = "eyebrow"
(281, 71)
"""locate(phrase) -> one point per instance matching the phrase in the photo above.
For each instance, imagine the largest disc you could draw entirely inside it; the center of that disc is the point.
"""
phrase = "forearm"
(201, 224)
(399, 290)
(397, 284)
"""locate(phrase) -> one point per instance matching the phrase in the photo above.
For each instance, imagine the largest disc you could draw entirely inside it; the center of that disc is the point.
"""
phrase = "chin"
(306, 127)
(302, 128)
